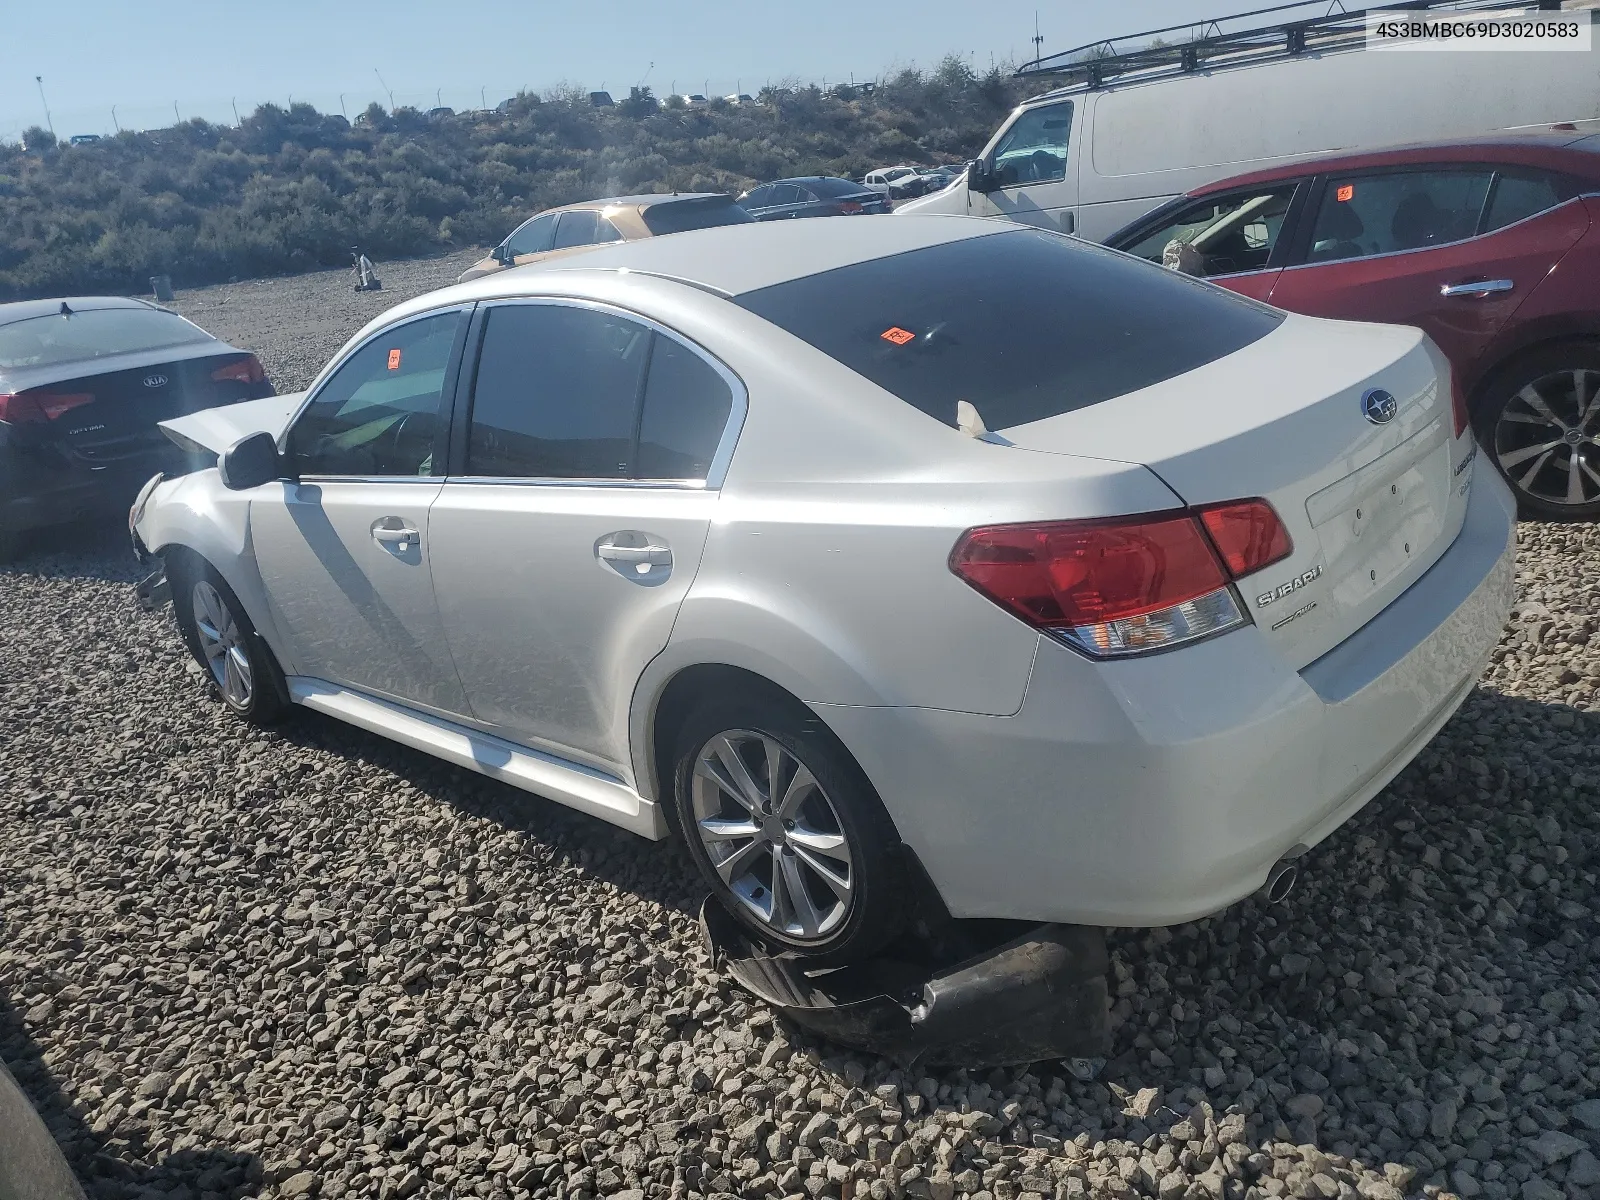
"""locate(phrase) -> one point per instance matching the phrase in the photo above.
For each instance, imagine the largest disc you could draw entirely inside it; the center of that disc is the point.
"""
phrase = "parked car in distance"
(600, 99)
(574, 227)
(812, 196)
(740, 98)
(1138, 128)
(895, 182)
(83, 139)
(695, 101)
(1490, 245)
(83, 382)
(671, 529)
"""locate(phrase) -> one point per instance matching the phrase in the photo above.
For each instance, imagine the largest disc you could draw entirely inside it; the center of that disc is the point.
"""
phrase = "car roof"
(23, 310)
(730, 259)
(1564, 150)
(649, 200)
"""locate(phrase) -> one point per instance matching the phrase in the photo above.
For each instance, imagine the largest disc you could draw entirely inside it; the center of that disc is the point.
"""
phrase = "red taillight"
(849, 206)
(36, 407)
(1248, 535)
(1127, 585)
(244, 370)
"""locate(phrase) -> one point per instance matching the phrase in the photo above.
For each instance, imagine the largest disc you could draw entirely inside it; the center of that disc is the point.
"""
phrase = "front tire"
(1539, 420)
(786, 829)
(236, 662)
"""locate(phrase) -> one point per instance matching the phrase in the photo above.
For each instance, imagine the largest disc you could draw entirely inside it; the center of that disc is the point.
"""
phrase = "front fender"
(195, 512)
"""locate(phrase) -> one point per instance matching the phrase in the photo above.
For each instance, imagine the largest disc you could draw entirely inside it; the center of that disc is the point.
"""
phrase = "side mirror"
(502, 255)
(249, 462)
(980, 176)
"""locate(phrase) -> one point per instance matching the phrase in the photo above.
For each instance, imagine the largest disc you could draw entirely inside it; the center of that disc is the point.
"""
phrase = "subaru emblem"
(155, 381)
(1378, 406)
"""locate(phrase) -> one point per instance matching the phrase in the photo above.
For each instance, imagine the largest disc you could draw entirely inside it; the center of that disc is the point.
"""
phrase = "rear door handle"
(656, 555)
(638, 557)
(1477, 287)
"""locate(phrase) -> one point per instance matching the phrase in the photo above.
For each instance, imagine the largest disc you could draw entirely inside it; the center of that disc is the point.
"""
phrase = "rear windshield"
(93, 333)
(681, 215)
(1024, 324)
(829, 188)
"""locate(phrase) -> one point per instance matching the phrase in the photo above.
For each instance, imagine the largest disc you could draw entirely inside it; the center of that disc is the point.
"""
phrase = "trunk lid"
(1370, 505)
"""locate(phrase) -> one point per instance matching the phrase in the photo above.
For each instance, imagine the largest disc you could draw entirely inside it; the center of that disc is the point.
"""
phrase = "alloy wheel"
(223, 644)
(1547, 438)
(773, 835)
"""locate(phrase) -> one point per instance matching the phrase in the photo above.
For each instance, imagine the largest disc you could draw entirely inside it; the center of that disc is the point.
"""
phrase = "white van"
(1145, 126)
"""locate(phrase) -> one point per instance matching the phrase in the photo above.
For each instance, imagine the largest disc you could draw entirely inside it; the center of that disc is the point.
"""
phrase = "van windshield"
(1025, 324)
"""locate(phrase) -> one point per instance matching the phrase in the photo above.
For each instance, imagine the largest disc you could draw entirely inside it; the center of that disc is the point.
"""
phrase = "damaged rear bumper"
(1040, 995)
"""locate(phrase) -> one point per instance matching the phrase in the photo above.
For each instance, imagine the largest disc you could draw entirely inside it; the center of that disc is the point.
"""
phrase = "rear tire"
(811, 868)
(1538, 419)
(236, 663)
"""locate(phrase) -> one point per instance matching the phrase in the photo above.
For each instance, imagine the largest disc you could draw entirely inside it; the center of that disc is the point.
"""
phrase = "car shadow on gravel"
(83, 550)
(660, 872)
(106, 1157)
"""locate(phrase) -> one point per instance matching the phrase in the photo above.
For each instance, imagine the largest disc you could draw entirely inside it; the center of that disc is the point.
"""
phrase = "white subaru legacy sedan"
(866, 557)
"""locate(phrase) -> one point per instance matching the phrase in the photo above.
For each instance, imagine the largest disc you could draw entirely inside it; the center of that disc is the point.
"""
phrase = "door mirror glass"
(501, 254)
(249, 462)
(979, 177)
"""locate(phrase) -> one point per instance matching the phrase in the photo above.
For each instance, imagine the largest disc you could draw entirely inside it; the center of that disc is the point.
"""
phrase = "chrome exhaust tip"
(1280, 882)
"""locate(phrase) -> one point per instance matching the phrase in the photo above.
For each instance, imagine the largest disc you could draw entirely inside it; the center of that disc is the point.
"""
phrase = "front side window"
(556, 393)
(1034, 149)
(1219, 236)
(577, 229)
(1024, 324)
(533, 238)
(379, 413)
(1362, 215)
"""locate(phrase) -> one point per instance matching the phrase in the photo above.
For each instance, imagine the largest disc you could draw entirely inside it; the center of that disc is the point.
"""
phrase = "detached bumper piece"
(1041, 995)
(154, 591)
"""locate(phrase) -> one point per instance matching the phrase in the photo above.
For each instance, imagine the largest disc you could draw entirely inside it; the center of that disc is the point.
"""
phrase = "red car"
(1491, 246)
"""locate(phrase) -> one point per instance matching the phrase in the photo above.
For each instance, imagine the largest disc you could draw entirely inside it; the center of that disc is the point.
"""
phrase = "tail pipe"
(1284, 875)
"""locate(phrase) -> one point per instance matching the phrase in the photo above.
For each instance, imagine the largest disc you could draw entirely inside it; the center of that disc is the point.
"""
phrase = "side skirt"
(583, 788)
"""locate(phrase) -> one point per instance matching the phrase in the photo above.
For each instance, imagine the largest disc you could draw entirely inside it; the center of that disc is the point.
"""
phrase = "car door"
(756, 200)
(784, 202)
(1435, 246)
(1234, 238)
(1030, 176)
(574, 516)
(342, 545)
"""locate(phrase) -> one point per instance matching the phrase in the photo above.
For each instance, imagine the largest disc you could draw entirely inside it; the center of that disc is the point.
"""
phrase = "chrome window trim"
(1330, 262)
(332, 367)
(720, 459)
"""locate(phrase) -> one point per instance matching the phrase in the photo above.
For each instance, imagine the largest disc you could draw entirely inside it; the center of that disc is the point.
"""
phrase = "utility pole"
(437, 101)
(177, 120)
(342, 112)
(385, 87)
(39, 79)
(483, 97)
(234, 100)
(114, 118)
(1038, 38)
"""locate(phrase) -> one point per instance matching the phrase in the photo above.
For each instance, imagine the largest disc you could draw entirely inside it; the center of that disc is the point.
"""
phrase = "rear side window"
(1361, 215)
(556, 393)
(686, 407)
(92, 333)
(830, 189)
(681, 215)
(1516, 197)
(1025, 324)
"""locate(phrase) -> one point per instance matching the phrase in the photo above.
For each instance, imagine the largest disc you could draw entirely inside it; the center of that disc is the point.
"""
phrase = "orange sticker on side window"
(394, 360)
(1346, 192)
(897, 335)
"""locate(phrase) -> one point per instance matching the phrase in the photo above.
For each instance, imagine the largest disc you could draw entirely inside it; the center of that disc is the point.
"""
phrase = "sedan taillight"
(849, 206)
(243, 370)
(1128, 585)
(36, 407)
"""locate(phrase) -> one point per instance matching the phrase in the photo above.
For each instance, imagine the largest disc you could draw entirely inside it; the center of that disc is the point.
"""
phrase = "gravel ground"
(311, 963)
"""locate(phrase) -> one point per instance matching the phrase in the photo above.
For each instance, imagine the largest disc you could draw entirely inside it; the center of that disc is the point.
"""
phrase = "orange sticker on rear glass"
(897, 335)
(1346, 192)
(394, 360)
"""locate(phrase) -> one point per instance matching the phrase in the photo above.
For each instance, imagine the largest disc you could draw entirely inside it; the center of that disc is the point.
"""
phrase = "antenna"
(437, 100)
(39, 79)
(175, 115)
(342, 112)
(385, 87)
(1038, 38)
(234, 100)
(114, 118)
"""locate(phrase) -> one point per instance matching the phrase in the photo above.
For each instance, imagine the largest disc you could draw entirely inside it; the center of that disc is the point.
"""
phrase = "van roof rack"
(1290, 31)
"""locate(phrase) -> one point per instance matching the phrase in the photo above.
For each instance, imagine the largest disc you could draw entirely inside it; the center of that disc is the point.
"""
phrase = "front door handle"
(1476, 287)
(392, 531)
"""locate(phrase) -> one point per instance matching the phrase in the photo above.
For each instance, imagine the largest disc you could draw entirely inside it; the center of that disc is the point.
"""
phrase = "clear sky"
(205, 55)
